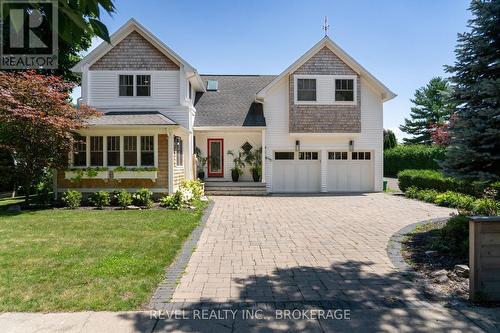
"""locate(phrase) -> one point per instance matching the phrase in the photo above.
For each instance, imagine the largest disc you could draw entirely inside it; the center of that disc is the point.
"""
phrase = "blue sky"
(403, 43)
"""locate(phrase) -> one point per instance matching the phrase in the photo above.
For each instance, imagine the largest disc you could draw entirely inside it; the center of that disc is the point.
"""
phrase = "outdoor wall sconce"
(351, 145)
(297, 145)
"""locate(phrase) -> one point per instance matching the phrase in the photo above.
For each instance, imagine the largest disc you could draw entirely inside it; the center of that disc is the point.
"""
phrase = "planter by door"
(235, 175)
(215, 149)
(255, 176)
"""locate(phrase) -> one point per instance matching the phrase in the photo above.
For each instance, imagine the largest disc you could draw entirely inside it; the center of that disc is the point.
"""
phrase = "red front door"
(215, 149)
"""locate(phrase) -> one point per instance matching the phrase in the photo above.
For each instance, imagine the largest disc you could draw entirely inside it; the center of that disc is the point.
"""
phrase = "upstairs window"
(212, 85)
(179, 151)
(80, 152)
(147, 151)
(126, 85)
(113, 150)
(96, 151)
(306, 89)
(308, 155)
(344, 90)
(143, 85)
(130, 150)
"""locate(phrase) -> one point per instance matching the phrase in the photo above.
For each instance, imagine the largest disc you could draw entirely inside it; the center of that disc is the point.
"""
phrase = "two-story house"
(319, 122)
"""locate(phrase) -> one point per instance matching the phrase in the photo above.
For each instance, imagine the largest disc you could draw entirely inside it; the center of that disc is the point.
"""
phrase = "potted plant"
(200, 163)
(239, 164)
(255, 160)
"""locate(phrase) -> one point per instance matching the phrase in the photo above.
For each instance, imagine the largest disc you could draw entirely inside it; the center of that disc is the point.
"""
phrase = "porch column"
(170, 154)
(324, 169)
(263, 156)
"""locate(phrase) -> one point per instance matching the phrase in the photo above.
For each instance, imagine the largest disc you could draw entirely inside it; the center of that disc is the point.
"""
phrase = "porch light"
(297, 145)
(351, 145)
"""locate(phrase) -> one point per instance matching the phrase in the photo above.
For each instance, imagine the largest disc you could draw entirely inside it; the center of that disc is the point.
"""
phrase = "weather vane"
(326, 26)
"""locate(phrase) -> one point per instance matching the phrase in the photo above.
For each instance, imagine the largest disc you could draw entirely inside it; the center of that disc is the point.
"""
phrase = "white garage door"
(350, 172)
(296, 176)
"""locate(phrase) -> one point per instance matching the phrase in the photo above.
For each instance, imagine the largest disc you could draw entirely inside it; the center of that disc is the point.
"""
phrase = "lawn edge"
(174, 271)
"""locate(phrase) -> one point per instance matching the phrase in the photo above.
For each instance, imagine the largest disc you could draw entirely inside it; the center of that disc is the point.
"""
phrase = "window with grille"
(308, 155)
(126, 87)
(337, 155)
(80, 152)
(306, 89)
(130, 150)
(113, 150)
(344, 90)
(96, 151)
(147, 151)
(143, 85)
(360, 155)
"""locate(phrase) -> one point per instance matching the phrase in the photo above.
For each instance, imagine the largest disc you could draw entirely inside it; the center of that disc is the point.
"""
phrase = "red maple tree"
(37, 123)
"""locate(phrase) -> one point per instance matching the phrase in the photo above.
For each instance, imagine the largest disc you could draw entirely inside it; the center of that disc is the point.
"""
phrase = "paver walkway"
(301, 248)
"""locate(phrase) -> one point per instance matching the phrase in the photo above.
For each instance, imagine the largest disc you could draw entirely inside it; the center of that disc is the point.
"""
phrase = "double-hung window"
(96, 151)
(147, 151)
(344, 90)
(143, 85)
(306, 89)
(130, 150)
(80, 152)
(178, 149)
(126, 87)
(113, 150)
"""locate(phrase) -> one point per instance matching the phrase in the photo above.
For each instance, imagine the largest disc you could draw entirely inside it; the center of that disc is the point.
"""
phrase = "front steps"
(235, 188)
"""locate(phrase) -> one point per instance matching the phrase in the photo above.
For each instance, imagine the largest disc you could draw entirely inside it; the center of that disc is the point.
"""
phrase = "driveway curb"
(173, 273)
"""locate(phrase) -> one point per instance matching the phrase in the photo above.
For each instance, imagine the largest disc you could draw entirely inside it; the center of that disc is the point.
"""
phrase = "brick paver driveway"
(300, 248)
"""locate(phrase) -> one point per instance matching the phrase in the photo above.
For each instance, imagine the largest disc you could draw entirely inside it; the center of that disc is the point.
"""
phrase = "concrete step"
(236, 192)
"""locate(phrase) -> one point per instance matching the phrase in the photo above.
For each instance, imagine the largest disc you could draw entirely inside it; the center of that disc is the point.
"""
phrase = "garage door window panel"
(284, 155)
(337, 155)
(308, 155)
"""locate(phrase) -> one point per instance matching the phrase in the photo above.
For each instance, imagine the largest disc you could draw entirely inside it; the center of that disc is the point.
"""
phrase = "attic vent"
(212, 85)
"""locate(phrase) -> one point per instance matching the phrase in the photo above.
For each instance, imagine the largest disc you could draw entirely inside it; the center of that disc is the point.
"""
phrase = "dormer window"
(344, 90)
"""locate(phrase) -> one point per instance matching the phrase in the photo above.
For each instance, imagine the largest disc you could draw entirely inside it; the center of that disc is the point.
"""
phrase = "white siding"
(103, 90)
(370, 139)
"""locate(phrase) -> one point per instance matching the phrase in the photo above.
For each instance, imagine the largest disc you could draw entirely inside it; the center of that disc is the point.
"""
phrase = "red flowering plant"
(440, 133)
(38, 125)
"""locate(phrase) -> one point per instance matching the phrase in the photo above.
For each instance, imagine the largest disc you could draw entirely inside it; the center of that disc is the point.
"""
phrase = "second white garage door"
(349, 175)
(296, 176)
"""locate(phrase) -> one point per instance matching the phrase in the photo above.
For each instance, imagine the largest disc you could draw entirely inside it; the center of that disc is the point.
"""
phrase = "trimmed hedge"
(404, 157)
(435, 180)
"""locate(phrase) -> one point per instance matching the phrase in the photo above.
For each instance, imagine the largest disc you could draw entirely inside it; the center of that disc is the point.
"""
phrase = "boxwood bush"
(404, 157)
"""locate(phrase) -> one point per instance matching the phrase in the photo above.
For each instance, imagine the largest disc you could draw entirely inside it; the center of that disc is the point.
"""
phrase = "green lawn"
(63, 260)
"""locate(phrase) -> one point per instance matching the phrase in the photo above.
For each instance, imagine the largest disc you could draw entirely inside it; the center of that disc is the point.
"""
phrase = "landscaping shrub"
(195, 186)
(404, 157)
(427, 195)
(411, 192)
(173, 201)
(189, 191)
(143, 197)
(486, 206)
(72, 199)
(100, 199)
(455, 200)
(123, 198)
(454, 237)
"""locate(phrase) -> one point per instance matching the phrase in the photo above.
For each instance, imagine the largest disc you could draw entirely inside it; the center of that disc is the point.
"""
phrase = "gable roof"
(130, 26)
(386, 93)
(233, 104)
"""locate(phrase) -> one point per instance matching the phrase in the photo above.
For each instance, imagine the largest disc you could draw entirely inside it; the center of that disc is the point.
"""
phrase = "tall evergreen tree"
(474, 151)
(390, 140)
(432, 106)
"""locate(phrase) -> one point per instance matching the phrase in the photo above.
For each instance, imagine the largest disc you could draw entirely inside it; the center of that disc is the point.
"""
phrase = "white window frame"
(320, 100)
(134, 82)
(308, 152)
(338, 151)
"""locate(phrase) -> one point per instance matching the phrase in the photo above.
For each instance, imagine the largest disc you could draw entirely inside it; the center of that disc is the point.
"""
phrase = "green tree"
(432, 107)
(78, 22)
(390, 140)
(474, 150)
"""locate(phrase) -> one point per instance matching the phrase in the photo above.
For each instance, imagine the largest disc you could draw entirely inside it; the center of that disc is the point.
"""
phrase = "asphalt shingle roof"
(130, 118)
(233, 103)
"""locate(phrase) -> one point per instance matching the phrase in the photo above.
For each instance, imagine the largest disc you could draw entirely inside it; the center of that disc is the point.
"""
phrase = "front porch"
(220, 187)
